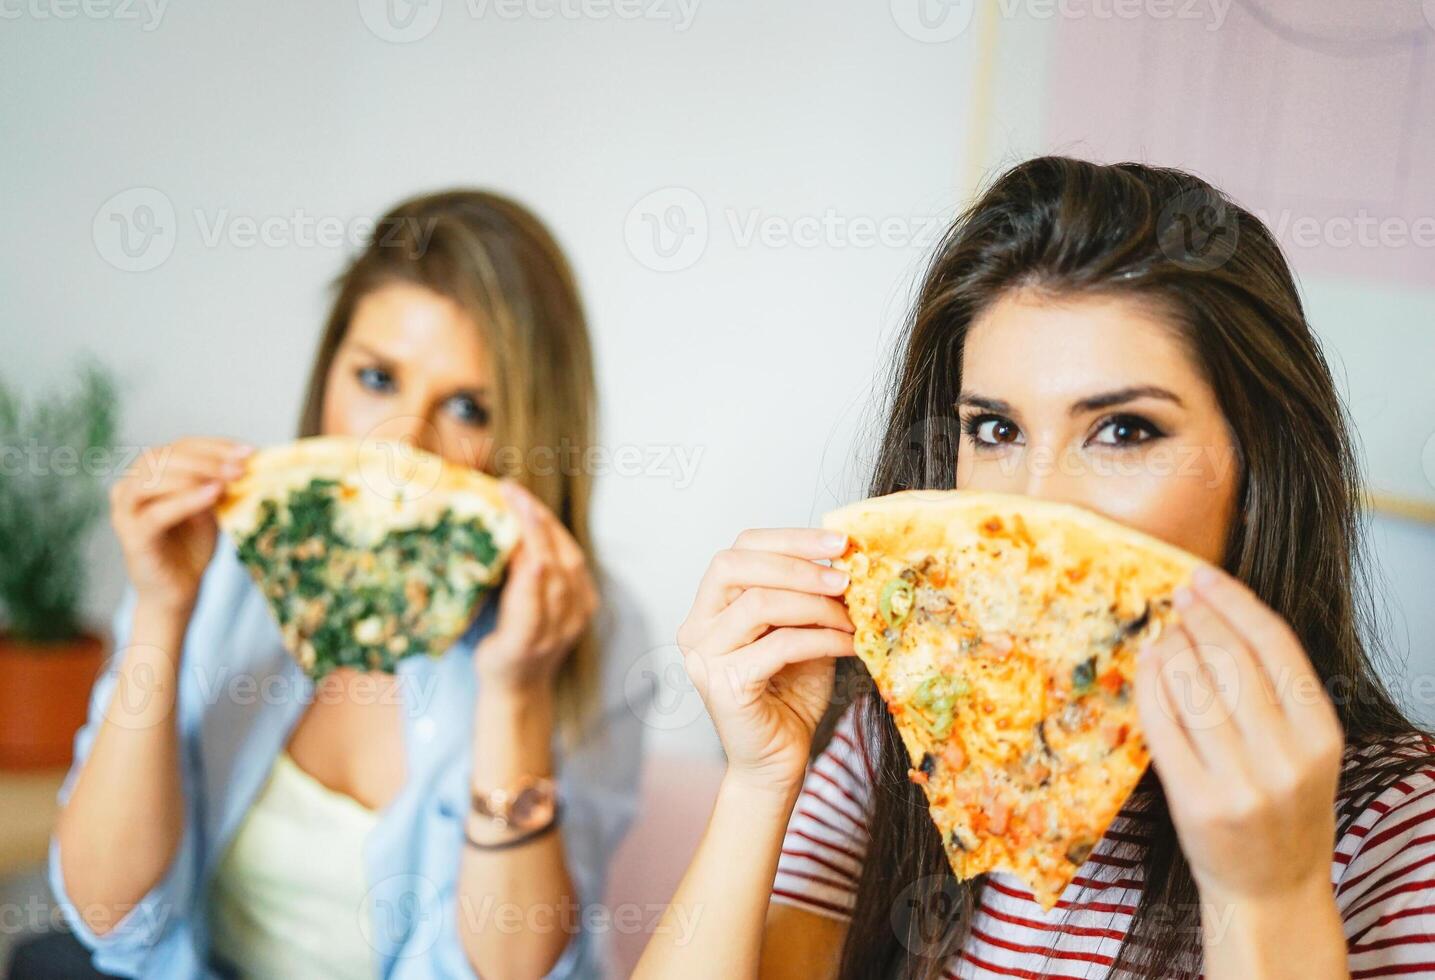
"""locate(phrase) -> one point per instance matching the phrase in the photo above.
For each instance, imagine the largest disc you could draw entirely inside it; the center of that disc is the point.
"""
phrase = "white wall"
(754, 359)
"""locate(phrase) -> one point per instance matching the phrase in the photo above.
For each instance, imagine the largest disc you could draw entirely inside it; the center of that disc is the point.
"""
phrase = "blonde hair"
(499, 263)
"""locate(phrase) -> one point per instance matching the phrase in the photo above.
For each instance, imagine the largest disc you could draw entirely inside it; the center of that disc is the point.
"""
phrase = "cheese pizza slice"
(367, 551)
(1001, 632)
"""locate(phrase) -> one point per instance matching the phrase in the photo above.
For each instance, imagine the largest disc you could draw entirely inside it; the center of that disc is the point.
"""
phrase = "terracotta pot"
(44, 694)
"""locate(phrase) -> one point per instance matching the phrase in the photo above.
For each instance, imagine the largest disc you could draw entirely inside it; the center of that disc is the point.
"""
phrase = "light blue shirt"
(240, 695)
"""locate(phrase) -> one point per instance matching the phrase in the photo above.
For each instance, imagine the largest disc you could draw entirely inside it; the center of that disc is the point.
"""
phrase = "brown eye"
(992, 430)
(1125, 430)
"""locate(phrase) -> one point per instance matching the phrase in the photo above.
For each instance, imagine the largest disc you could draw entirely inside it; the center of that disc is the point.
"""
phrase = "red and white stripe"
(1383, 871)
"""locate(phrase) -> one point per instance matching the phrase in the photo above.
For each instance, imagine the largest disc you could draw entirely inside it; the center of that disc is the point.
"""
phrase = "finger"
(751, 668)
(800, 542)
(1175, 758)
(521, 604)
(173, 468)
(1269, 637)
(1241, 682)
(1193, 703)
(164, 513)
(734, 570)
(758, 610)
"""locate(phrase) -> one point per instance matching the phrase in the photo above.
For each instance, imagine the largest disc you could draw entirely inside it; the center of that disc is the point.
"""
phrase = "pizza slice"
(1001, 632)
(367, 552)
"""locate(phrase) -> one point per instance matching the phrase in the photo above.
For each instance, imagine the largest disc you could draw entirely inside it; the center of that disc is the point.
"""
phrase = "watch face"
(531, 807)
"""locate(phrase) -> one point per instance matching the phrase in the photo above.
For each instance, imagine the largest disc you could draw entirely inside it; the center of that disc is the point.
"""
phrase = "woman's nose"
(411, 426)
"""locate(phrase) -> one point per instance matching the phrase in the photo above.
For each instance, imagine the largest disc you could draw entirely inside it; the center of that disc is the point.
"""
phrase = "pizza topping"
(1083, 675)
(344, 603)
(936, 698)
(896, 600)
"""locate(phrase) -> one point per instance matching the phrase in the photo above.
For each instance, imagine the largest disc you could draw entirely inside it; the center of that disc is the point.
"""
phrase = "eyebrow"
(1091, 403)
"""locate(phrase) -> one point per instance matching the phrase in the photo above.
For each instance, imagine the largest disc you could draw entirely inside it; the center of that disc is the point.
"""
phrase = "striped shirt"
(1383, 872)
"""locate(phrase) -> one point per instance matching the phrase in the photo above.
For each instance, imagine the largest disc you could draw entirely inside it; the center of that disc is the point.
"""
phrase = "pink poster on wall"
(1319, 122)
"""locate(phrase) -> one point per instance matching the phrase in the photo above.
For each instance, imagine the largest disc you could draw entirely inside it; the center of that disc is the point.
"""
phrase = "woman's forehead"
(1071, 348)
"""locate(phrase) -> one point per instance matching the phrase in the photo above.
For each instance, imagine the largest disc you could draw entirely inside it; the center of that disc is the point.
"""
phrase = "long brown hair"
(498, 262)
(1168, 239)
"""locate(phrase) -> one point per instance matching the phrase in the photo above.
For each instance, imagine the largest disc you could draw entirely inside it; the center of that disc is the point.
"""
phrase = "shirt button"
(424, 729)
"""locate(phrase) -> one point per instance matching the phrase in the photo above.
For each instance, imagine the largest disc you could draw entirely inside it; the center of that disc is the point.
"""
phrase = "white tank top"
(289, 896)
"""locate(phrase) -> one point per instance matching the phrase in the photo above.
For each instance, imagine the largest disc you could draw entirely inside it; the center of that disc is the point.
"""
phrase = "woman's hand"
(162, 511)
(1246, 743)
(545, 605)
(758, 644)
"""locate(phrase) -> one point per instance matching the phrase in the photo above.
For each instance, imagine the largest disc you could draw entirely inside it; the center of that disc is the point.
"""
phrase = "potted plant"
(53, 454)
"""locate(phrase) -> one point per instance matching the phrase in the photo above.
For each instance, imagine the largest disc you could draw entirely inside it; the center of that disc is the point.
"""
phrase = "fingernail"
(242, 450)
(835, 542)
(1203, 576)
(1183, 598)
(835, 580)
(232, 469)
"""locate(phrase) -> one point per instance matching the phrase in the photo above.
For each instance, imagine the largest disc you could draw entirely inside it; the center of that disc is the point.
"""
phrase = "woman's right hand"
(162, 511)
(758, 644)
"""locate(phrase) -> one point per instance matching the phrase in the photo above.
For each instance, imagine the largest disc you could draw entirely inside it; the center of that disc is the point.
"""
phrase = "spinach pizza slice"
(1001, 631)
(367, 552)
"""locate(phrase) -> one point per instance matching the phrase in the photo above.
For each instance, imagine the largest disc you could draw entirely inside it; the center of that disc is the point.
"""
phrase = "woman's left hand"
(1245, 741)
(544, 606)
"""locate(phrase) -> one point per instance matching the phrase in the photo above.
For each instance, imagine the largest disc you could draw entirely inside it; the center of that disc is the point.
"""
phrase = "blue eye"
(468, 410)
(376, 379)
(1126, 430)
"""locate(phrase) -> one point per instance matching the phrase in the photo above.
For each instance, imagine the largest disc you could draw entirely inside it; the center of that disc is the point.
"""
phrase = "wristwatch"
(526, 805)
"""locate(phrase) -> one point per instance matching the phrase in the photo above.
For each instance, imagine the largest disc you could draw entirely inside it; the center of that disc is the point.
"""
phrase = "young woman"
(226, 815)
(1084, 346)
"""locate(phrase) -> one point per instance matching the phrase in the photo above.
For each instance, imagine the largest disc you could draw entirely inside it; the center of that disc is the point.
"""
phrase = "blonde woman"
(225, 815)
